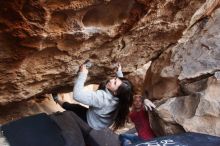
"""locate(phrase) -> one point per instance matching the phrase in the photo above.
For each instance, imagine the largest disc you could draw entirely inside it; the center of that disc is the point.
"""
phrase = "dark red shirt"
(142, 125)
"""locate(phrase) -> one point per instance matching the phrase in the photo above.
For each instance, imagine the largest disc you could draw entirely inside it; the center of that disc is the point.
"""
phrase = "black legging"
(78, 109)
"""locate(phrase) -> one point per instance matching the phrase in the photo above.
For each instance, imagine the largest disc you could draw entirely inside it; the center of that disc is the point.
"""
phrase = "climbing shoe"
(55, 97)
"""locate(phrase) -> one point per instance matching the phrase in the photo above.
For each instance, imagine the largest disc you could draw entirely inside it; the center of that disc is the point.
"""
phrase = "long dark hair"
(125, 95)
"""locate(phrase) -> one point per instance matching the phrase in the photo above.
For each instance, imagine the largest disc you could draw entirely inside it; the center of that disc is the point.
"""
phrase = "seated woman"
(108, 105)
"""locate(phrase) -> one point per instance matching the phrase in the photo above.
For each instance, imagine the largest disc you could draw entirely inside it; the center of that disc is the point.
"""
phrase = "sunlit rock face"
(137, 78)
(42, 43)
(188, 75)
(17, 110)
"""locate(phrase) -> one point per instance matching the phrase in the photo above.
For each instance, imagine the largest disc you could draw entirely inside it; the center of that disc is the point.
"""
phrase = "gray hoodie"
(102, 103)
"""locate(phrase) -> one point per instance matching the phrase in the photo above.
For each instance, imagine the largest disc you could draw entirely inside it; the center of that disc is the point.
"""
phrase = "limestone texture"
(185, 78)
(42, 43)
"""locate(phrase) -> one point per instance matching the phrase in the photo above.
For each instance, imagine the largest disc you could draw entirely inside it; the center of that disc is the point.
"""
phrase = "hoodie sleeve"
(91, 98)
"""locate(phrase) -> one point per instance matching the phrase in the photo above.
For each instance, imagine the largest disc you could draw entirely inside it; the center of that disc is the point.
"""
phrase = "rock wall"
(43, 42)
(186, 77)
